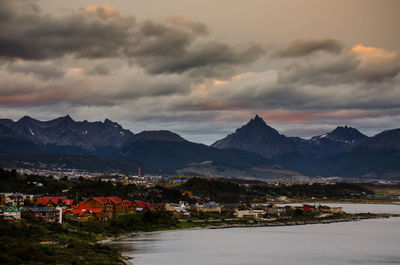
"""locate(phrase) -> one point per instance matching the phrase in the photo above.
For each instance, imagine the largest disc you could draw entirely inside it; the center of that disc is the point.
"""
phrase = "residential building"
(12, 213)
(45, 213)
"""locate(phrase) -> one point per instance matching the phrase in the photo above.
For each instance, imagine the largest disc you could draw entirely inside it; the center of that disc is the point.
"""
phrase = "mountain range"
(343, 152)
(255, 149)
(162, 149)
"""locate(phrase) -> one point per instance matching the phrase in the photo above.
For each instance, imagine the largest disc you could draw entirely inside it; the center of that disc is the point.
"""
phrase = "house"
(228, 208)
(45, 213)
(210, 207)
(249, 213)
(180, 209)
(101, 203)
(18, 199)
(12, 213)
(119, 206)
(170, 207)
(181, 213)
(30, 197)
(84, 212)
(144, 206)
(130, 207)
(274, 210)
(327, 209)
(15, 199)
(113, 206)
(54, 201)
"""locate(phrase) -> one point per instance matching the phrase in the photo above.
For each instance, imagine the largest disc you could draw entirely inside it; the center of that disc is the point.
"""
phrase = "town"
(71, 215)
(59, 217)
(107, 197)
(57, 208)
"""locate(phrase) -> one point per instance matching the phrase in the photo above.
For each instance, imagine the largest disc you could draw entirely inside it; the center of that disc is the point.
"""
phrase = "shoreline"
(349, 218)
(356, 217)
(394, 202)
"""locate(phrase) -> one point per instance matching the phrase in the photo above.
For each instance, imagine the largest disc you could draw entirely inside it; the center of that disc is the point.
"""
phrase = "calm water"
(364, 242)
(362, 207)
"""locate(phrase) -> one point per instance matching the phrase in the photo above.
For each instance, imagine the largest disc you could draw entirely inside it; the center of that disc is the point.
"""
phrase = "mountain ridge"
(343, 151)
(328, 154)
(159, 149)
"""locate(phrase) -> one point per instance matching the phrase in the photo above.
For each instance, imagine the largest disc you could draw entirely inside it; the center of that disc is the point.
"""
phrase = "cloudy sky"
(203, 68)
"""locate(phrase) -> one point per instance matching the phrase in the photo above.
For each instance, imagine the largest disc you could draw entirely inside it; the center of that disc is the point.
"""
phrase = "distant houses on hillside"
(57, 208)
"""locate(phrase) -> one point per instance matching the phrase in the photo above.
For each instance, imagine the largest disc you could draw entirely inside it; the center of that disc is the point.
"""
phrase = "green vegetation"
(226, 191)
(216, 189)
(147, 221)
(10, 181)
(219, 190)
(336, 191)
(33, 242)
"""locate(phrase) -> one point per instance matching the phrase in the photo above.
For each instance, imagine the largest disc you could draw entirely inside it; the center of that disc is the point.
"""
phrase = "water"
(363, 242)
(361, 208)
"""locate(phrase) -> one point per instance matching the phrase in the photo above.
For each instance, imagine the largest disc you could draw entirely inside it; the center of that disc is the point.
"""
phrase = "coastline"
(347, 218)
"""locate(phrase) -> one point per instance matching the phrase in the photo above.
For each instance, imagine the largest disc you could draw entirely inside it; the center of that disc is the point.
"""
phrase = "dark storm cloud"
(334, 71)
(210, 54)
(169, 46)
(350, 67)
(300, 48)
(26, 33)
(78, 89)
(361, 77)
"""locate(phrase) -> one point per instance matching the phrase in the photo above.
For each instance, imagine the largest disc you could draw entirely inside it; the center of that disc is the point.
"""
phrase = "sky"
(203, 68)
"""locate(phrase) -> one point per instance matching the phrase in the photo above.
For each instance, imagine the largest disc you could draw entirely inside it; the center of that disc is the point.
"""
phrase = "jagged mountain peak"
(256, 136)
(344, 133)
(257, 127)
(257, 120)
(67, 117)
(110, 123)
(345, 129)
(64, 131)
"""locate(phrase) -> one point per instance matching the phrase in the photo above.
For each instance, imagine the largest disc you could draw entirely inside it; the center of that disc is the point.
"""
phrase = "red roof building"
(53, 201)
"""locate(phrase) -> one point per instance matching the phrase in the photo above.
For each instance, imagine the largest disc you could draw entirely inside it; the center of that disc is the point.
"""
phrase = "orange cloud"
(220, 82)
(373, 51)
(77, 70)
(377, 61)
(351, 113)
(103, 12)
